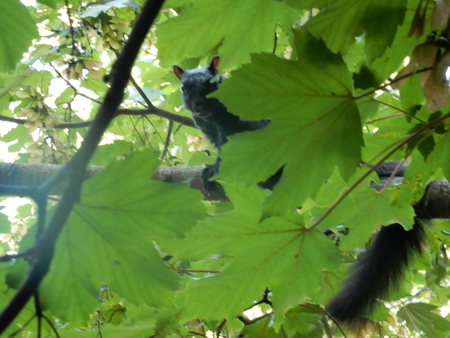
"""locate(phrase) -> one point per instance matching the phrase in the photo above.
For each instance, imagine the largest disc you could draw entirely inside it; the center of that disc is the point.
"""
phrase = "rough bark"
(434, 204)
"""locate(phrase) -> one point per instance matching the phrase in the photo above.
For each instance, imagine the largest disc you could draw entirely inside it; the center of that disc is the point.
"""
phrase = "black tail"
(377, 271)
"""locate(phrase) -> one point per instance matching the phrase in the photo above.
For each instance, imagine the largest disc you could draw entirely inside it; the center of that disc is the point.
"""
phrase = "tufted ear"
(214, 64)
(178, 71)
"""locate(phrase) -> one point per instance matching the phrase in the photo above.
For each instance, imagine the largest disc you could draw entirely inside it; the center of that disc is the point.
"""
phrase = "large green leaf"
(238, 27)
(95, 11)
(108, 239)
(426, 169)
(6, 292)
(362, 212)
(308, 4)
(14, 17)
(401, 47)
(385, 128)
(5, 225)
(372, 73)
(49, 3)
(343, 21)
(441, 154)
(141, 329)
(262, 329)
(278, 253)
(9, 81)
(420, 318)
(315, 123)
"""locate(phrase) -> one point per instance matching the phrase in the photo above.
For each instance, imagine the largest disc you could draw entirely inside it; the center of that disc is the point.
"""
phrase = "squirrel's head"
(199, 82)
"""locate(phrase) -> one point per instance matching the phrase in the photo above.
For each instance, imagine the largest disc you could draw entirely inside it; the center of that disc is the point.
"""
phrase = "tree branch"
(29, 176)
(435, 201)
(184, 120)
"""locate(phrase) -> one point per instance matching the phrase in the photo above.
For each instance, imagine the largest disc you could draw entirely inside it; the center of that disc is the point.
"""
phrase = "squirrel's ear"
(178, 71)
(214, 64)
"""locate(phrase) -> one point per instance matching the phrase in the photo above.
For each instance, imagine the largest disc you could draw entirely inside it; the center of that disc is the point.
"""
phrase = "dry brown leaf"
(418, 23)
(424, 77)
(436, 88)
(425, 54)
(440, 15)
(409, 69)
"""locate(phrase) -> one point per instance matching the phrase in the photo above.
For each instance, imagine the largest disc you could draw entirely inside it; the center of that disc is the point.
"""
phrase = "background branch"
(184, 120)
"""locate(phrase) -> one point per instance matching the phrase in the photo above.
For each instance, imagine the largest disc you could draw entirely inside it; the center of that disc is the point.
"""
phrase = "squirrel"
(209, 114)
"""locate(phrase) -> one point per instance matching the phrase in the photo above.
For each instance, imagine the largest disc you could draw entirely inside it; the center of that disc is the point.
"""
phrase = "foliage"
(342, 81)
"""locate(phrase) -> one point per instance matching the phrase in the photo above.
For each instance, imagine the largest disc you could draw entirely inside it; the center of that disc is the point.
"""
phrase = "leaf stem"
(391, 82)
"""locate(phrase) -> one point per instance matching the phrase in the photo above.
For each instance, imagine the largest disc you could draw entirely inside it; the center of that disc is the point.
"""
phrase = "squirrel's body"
(209, 114)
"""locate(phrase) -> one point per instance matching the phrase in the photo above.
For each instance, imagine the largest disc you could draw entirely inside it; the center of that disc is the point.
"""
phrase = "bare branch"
(186, 121)
(64, 125)
(434, 203)
(75, 89)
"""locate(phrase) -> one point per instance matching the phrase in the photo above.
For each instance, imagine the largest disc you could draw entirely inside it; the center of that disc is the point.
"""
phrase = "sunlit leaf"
(435, 87)
(279, 254)
(315, 123)
(97, 9)
(425, 54)
(373, 210)
(108, 239)
(222, 23)
(420, 318)
(14, 17)
(341, 22)
(441, 14)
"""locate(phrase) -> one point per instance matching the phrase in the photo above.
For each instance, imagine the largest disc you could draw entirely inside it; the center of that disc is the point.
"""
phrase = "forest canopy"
(135, 251)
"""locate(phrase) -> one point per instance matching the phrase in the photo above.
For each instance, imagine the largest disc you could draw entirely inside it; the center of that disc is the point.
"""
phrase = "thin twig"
(41, 202)
(167, 142)
(63, 125)
(393, 174)
(187, 121)
(8, 257)
(38, 311)
(55, 331)
(402, 113)
(72, 31)
(393, 81)
(184, 120)
(75, 89)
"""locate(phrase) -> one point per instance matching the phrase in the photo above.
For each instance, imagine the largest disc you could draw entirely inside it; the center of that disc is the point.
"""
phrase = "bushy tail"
(377, 271)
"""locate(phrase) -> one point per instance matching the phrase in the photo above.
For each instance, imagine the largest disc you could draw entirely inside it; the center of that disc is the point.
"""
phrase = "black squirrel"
(380, 269)
(209, 114)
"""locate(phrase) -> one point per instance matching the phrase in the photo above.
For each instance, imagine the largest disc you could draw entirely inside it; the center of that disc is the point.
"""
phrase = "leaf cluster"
(343, 82)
